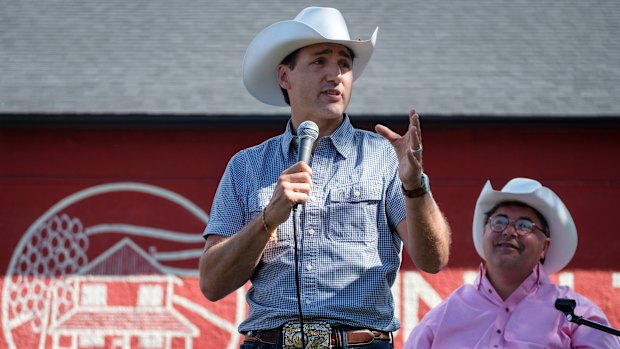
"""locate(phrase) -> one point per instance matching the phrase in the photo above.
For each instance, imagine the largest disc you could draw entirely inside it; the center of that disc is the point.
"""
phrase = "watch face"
(424, 183)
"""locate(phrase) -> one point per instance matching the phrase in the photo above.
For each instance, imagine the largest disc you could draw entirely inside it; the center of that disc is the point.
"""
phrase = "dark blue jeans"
(377, 344)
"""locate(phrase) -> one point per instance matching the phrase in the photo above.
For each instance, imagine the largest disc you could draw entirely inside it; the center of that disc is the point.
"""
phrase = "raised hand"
(408, 148)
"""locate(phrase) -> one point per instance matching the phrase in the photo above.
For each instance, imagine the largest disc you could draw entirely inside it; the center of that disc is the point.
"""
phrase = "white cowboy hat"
(312, 25)
(546, 202)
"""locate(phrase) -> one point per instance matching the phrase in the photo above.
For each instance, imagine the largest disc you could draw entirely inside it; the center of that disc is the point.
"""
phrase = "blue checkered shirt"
(349, 250)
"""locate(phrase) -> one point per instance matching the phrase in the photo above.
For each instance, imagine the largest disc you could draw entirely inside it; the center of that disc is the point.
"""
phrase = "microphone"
(567, 306)
(307, 133)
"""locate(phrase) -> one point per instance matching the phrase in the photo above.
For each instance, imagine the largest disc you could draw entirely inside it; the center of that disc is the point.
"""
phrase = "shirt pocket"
(353, 210)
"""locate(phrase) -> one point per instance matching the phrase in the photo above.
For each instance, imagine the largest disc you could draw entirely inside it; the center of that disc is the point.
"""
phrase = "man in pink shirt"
(524, 233)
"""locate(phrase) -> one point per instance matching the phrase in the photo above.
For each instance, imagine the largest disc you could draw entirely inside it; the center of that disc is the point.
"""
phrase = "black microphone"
(307, 133)
(567, 306)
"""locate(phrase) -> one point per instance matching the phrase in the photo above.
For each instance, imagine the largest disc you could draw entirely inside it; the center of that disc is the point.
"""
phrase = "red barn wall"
(43, 169)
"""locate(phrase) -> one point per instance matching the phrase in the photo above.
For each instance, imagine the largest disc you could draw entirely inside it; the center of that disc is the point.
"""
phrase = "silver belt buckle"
(317, 335)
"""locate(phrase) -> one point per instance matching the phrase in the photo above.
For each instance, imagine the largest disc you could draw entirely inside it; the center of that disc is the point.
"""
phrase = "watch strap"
(414, 193)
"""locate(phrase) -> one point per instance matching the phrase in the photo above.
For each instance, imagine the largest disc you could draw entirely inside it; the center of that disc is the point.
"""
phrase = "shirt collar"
(342, 138)
(531, 284)
(288, 138)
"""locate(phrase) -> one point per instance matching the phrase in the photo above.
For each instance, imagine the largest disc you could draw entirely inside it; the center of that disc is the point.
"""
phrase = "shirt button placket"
(503, 314)
(497, 339)
(312, 225)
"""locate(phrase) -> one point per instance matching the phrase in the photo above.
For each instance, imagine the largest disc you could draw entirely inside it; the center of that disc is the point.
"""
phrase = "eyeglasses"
(523, 226)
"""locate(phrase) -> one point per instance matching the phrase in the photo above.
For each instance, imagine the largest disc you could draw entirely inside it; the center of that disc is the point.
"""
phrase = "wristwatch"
(423, 189)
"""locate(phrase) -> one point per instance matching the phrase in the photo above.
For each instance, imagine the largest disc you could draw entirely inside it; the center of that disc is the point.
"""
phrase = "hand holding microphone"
(295, 183)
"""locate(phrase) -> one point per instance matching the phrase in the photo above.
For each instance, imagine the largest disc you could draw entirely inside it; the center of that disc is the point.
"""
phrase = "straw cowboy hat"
(312, 25)
(561, 226)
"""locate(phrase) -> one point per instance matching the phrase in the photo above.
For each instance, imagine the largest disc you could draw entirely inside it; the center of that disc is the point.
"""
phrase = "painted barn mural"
(102, 231)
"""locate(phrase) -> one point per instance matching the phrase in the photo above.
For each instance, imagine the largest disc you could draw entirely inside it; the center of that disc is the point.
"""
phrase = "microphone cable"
(307, 133)
(297, 279)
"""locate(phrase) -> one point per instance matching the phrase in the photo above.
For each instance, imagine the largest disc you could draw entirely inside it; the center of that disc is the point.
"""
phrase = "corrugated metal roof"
(450, 57)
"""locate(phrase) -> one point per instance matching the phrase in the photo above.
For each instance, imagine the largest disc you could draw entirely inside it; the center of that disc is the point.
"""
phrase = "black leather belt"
(354, 337)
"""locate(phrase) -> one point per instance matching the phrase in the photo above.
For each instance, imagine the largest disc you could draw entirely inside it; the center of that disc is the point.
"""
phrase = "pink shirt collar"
(529, 286)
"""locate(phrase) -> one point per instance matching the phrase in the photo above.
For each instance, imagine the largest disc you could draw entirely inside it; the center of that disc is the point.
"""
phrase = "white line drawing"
(50, 281)
(92, 317)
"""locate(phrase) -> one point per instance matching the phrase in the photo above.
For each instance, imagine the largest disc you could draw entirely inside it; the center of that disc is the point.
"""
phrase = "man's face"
(508, 251)
(319, 85)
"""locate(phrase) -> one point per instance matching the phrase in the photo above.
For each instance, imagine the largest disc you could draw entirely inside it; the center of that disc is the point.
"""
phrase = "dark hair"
(290, 62)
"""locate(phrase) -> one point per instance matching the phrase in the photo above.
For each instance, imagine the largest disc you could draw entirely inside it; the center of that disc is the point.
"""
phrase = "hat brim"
(270, 47)
(561, 226)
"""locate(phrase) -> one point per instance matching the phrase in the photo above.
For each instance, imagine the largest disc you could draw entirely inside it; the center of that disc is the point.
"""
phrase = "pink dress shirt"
(475, 316)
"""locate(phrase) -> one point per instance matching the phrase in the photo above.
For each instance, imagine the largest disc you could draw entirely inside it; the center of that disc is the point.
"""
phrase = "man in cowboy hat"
(523, 233)
(363, 197)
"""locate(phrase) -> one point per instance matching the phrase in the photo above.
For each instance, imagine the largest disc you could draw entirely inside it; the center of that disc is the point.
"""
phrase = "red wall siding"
(41, 167)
